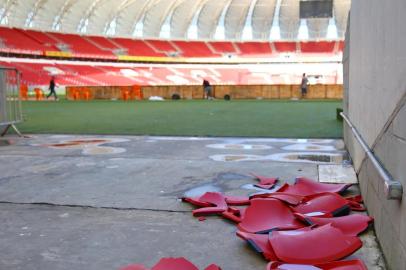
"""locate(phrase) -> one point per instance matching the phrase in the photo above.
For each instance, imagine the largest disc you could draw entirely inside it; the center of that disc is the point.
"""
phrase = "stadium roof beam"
(341, 11)
(4, 12)
(182, 17)
(262, 19)
(113, 16)
(275, 33)
(156, 15)
(247, 32)
(165, 29)
(236, 18)
(57, 22)
(221, 24)
(192, 30)
(82, 27)
(33, 13)
(209, 18)
(289, 20)
(138, 30)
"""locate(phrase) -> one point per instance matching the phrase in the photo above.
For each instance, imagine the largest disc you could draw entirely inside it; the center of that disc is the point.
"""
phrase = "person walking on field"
(207, 88)
(304, 85)
(52, 86)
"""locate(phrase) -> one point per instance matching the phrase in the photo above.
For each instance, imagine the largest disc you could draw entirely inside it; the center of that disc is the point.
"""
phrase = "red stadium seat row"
(29, 42)
(79, 73)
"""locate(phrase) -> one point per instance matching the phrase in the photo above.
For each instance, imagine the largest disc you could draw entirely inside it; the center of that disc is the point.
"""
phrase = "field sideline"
(252, 118)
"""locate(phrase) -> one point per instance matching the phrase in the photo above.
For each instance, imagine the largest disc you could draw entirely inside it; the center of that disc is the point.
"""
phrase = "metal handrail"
(393, 188)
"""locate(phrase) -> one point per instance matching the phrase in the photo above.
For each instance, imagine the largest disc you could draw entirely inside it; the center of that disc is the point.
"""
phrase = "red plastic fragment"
(171, 264)
(231, 200)
(349, 225)
(237, 200)
(196, 201)
(266, 180)
(233, 214)
(260, 243)
(214, 198)
(305, 187)
(174, 263)
(357, 198)
(356, 206)
(264, 186)
(323, 205)
(320, 245)
(212, 267)
(264, 215)
(291, 199)
(201, 218)
(340, 265)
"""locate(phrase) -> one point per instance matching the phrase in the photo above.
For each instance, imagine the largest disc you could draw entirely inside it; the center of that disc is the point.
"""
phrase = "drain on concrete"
(309, 157)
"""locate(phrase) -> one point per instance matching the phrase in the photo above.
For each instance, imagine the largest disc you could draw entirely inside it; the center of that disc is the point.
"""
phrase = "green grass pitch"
(253, 118)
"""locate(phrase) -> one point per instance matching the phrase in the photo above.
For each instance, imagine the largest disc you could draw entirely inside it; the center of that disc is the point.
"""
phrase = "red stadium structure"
(97, 52)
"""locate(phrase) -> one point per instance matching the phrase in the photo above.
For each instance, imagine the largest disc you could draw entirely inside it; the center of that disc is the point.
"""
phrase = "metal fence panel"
(10, 102)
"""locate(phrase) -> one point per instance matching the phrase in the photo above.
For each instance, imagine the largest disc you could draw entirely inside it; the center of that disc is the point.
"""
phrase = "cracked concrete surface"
(68, 209)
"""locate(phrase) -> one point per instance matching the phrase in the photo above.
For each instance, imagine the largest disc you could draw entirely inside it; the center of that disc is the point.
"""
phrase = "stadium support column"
(275, 32)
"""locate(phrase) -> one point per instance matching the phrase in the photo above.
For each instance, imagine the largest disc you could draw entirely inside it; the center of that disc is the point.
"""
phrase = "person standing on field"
(52, 86)
(207, 88)
(304, 85)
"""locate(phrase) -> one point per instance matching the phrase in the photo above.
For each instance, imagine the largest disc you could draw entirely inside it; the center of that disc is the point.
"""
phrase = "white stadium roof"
(176, 19)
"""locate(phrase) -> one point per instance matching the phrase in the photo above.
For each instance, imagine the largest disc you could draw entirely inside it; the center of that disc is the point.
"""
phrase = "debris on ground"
(307, 225)
(171, 264)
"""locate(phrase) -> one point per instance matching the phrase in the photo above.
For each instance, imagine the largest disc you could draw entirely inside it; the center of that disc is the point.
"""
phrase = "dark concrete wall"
(374, 100)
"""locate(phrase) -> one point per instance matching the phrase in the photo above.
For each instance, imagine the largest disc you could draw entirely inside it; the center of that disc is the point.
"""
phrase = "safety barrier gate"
(10, 101)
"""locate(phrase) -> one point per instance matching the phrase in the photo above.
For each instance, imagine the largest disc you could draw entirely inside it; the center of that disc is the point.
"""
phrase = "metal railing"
(393, 188)
(10, 101)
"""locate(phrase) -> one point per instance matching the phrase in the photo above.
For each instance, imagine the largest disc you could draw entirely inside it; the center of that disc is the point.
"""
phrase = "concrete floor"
(107, 204)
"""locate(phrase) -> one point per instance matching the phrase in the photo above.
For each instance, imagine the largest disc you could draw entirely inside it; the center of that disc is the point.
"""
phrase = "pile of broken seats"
(307, 224)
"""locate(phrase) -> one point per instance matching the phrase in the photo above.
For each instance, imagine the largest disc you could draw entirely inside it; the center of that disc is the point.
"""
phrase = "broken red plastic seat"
(237, 200)
(174, 263)
(234, 214)
(305, 187)
(340, 265)
(323, 205)
(356, 206)
(349, 225)
(317, 246)
(266, 180)
(260, 243)
(214, 198)
(171, 264)
(357, 198)
(265, 215)
(288, 198)
(231, 200)
(196, 201)
(211, 267)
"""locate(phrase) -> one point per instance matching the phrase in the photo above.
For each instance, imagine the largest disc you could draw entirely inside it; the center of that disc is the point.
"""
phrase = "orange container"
(76, 94)
(125, 95)
(86, 93)
(39, 95)
(24, 92)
